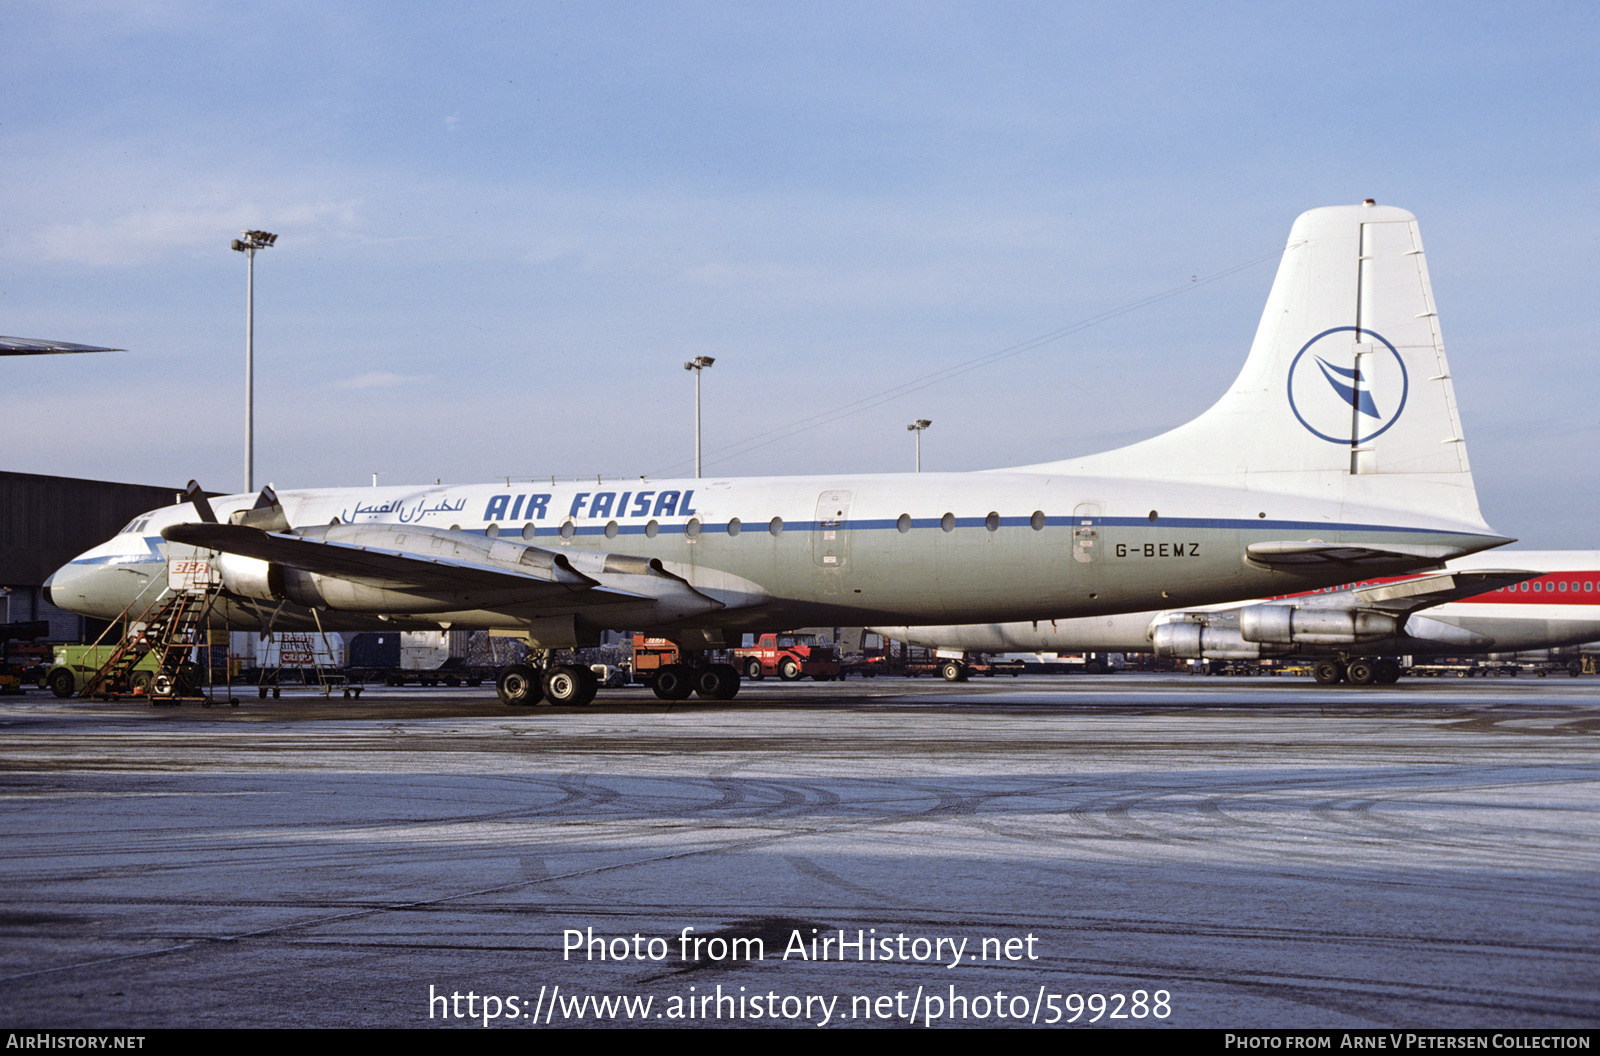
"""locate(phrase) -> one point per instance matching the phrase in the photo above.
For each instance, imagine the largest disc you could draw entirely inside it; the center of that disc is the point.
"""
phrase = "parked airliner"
(1508, 601)
(1337, 451)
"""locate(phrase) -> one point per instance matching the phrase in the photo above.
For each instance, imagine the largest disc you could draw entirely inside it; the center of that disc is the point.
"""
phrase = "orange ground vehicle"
(788, 656)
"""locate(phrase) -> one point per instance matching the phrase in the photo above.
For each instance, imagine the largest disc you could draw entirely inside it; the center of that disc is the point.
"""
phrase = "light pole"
(248, 244)
(917, 427)
(697, 364)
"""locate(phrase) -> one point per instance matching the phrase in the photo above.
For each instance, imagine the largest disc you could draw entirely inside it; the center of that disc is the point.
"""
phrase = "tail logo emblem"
(1344, 398)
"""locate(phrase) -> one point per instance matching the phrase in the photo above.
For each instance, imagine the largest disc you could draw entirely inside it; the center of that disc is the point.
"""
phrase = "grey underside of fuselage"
(866, 576)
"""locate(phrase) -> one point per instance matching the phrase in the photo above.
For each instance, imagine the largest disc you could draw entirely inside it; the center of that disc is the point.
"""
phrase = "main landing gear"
(523, 685)
(1360, 671)
(709, 681)
(544, 682)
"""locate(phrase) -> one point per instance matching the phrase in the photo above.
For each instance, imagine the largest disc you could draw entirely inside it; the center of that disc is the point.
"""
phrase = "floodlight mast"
(916, 429)
(697, 364)
(248, 243)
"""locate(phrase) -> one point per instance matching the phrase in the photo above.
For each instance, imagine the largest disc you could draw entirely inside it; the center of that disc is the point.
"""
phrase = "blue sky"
(504, 227)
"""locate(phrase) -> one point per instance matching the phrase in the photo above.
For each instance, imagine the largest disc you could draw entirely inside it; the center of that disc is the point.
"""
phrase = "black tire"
(953, 671)
(1328, 672)
(673, 682)
(753, 670)
(591, 684)
(1094, 667)
(519, 686)
(565, 684)
(1574, 668)
(62, 683)
(1361, 672)
(139, 682)
(717, 682)
(789, 669)
(1388, 672)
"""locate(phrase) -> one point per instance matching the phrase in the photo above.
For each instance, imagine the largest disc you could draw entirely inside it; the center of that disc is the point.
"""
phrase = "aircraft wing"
(400, 568)
(31, 346)
(389, 568)
(1424, 592)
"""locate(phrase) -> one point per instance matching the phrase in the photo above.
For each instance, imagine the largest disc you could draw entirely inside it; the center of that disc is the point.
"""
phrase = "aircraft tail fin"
(1346, 390)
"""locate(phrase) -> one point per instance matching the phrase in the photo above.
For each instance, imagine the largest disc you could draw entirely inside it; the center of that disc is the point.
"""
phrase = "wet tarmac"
(1145, 850)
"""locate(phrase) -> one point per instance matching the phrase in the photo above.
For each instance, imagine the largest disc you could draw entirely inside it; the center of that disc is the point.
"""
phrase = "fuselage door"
(1087, 542)
(830, 542)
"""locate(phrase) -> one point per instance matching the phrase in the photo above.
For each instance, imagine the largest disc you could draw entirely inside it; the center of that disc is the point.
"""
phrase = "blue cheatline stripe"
(884, 524)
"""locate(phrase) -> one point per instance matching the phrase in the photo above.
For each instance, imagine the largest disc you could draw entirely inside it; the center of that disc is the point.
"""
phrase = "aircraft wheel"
(591, 684)
(565, 684)
(519, 686)
(717, 682)
(1361, 672)
(753, 670)
(1328, 672)
(789, 669)
(1574, 668)
(62, 684)
(1387, 672)
(673, 682)
(953, 671)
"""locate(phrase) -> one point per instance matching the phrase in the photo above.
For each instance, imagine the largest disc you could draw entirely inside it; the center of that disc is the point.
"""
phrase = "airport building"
(46, 522)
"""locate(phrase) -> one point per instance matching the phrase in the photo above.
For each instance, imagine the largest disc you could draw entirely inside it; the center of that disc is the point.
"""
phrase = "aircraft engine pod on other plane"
(1288, 625)
(1471, 608)
(1275, 490)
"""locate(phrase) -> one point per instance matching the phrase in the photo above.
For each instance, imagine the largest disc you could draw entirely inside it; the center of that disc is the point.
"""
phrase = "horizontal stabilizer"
(1312, 554)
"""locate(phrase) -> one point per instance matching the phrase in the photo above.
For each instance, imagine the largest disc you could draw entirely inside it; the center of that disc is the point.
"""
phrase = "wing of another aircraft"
(32, 346)
(1424, 592)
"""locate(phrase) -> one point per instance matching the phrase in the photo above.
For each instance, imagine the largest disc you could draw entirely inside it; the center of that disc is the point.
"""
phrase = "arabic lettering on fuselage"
(403, 513)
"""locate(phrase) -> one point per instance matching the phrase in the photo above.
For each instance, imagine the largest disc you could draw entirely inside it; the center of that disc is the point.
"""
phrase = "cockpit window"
(136, 525)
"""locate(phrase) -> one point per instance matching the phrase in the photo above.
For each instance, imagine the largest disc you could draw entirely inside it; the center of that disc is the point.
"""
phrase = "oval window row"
(775, 526)
(1552, 587)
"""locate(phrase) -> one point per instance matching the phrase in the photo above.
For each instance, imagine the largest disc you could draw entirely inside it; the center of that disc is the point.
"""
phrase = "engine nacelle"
(1197, 641)
(1288, 625)
(250, 577)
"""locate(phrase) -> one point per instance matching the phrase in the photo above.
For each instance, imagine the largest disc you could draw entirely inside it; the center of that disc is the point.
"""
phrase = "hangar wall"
(46, 522)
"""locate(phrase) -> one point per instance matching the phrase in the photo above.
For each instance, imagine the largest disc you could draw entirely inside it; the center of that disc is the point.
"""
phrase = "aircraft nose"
(68, 588)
